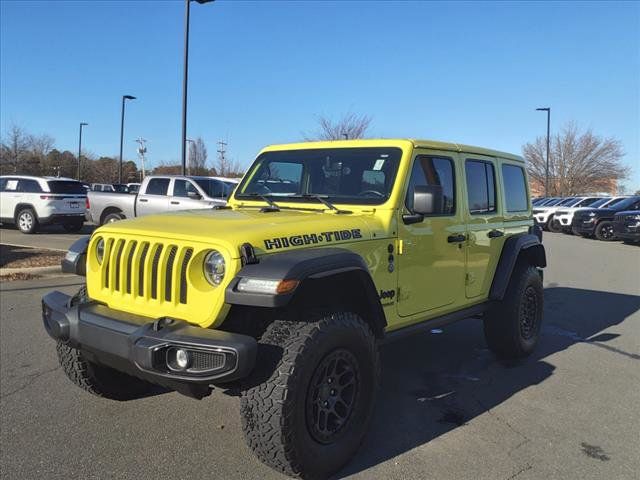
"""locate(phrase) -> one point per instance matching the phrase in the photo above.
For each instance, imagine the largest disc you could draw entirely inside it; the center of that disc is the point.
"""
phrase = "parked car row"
(31, 202)
(605, 218)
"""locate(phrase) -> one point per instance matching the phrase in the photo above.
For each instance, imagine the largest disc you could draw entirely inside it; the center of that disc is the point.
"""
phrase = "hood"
(267, 232)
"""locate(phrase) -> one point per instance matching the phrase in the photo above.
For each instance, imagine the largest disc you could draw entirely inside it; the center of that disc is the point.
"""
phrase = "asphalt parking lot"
(53, 237)
(446, 410)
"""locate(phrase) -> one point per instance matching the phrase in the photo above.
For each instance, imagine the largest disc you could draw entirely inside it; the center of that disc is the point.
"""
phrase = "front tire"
(97, 379)
(314, 392)
(605, 232)
(27, 221)
(554, 225)
(512, 327)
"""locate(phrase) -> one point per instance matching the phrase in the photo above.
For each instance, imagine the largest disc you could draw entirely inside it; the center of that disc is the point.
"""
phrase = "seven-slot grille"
(625, 220)
(146, 269)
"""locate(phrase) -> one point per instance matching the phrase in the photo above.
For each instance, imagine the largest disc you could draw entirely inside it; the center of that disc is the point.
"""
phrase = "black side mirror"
(194, 195)
(427, 200)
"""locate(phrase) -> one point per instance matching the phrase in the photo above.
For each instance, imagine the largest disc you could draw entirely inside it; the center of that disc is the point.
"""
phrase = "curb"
(54, 269)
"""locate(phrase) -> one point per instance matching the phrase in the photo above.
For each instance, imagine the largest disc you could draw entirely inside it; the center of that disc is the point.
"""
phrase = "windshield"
(567, 201)
(623, 202)
(553, 201)
(600, 202)
(66, 186)
(214, 188)
(120, 188)
(341, 175)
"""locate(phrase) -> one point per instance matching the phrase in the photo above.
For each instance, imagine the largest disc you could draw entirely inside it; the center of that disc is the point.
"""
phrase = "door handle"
(173, 202)
(495, 234)
(456, 238)
(143, 200)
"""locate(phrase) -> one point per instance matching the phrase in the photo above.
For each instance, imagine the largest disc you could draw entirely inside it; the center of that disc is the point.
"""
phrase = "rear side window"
(29, 186)
(515, 188)
(481, 187)
(157, 186)
(433, 171)
(65, 186)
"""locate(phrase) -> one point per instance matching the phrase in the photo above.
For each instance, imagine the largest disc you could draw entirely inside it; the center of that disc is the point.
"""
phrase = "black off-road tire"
(281, 408)
(604, 231)
(512, 326)
(73, 227)
(27, 220)
(100, 380)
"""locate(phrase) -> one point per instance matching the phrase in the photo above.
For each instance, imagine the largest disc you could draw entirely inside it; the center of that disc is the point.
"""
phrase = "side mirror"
(427, 200)
(194, 195)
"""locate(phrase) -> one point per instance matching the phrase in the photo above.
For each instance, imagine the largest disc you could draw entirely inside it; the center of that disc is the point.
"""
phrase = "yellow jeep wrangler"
(324, 251)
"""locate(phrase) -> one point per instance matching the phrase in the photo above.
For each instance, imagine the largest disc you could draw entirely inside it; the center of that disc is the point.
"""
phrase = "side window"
(515, 188)
(3, 184)
(434, 171)
(157, 186)
(11, 185)
(181, 188)
(481, 187)
(217, 189)
(28, 186)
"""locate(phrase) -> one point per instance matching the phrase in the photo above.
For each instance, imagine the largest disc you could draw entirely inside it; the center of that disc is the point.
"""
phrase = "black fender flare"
(526, 243)
(309, 267)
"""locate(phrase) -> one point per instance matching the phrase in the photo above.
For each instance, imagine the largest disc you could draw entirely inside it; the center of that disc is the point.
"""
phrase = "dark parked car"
(599, 221)
(626, 226)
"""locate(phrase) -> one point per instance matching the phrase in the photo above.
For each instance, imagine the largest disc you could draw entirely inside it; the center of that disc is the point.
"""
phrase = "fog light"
(182, 358)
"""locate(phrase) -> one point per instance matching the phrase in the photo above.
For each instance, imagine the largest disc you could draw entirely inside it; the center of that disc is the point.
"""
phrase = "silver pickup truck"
(159, 194)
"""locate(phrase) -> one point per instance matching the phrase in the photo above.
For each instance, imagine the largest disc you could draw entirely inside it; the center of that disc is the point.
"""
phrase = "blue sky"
(261, 72)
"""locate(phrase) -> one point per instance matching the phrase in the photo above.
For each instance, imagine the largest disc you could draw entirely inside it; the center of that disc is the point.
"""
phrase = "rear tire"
(315, 386)
(604, 231)
(27, 221)
(113, 217)
(512, 327)
(100, 380)
(73, 227)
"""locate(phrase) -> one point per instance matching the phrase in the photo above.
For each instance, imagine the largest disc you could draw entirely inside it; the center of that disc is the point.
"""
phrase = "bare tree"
(578, 162)
(15, 146)
(197, 157)
(350, 126)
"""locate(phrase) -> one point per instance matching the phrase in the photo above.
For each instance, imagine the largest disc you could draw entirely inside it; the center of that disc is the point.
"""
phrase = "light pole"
(546, 175)
(189, 169)
(124, 98)
(82, 124)
(187, 4)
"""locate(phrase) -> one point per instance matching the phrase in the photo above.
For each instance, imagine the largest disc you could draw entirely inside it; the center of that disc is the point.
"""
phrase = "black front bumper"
(134, 345)
(62, 218)
(583, 227)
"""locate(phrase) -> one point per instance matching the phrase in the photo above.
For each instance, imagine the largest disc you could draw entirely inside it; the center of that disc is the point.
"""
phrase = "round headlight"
(100, 250)
(214, 267)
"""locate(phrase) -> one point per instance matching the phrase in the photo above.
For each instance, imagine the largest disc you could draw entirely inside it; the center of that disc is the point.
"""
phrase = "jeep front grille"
(148, 270)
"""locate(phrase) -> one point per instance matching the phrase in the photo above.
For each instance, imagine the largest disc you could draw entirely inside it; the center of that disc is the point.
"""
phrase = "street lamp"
(82, 124)
(546, 176)
(184, 80)
(124, 98)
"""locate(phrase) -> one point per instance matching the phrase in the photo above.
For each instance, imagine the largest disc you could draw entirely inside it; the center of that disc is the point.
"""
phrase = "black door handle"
(143, 200)
(456, 238)
(495, 234)
(175, 203)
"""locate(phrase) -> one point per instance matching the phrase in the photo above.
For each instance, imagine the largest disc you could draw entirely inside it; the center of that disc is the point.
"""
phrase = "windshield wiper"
(322, 199)
(273, 206)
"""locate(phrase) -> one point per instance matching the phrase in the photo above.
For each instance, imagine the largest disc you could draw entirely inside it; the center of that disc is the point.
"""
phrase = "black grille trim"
(168, 275)
(183, 275)
(154, 272)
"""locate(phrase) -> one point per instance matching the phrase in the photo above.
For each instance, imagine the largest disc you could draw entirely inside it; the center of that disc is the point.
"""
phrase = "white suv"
(563, 218)
(544, 215)
(30, 202)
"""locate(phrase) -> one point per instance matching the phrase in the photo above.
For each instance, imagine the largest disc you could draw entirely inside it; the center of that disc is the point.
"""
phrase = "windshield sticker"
(379, 163)
(312, 238)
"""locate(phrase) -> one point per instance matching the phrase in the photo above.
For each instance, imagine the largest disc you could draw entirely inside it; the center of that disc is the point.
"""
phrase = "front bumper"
(584, 226)
(134, 345)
